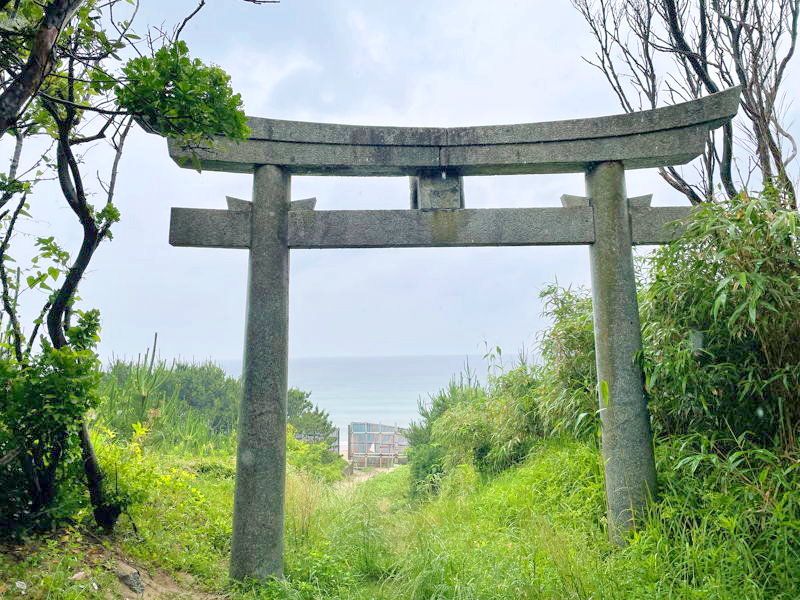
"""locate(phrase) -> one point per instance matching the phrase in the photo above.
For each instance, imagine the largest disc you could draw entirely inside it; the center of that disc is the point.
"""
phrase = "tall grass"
(148, 397)
(725, 528)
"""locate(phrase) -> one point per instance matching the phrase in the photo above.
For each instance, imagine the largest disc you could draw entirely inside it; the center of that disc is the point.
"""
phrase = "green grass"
(722, 530)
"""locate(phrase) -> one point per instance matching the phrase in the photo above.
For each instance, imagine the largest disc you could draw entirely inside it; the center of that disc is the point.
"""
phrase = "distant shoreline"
(233, 366)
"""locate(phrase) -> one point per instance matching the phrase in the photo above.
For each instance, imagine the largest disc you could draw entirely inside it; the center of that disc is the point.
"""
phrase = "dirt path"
(362, 475)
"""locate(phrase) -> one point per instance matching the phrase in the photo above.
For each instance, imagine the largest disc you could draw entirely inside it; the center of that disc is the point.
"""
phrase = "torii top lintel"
(667, 136)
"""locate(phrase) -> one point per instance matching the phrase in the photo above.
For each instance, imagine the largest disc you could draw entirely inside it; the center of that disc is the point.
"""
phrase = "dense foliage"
(173, 397)
(173, 94)
(721, 313)
(310, 423)
(74, 72)
(191, 407)
(42, 402)
(725, 529)
(720, 324)
(191, 410)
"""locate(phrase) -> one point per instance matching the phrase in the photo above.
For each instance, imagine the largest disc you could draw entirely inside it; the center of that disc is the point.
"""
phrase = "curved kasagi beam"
(667, 136)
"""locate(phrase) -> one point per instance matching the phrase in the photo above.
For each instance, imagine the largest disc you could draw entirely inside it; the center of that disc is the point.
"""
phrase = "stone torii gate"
(436, 160)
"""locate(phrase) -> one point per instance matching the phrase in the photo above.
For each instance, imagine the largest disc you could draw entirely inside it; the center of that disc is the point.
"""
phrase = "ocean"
(377, 389)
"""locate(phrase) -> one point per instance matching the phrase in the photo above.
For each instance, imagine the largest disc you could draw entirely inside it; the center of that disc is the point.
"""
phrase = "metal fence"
(375, 445)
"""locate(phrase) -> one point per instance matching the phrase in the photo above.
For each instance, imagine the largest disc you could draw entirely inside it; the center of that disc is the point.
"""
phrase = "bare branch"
(684, 49)
(187, 19)
(8, 305)
(13, 168)
(115, 167)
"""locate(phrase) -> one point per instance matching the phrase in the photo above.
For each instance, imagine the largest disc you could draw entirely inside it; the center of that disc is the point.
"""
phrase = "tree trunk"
(39, 64)
(105, 513)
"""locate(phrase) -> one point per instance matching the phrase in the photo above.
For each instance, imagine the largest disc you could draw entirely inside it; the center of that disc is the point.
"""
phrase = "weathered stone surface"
(709, 109)
(568, 201)
(212, 228)
(637, 151)
(313, 159)
(209, 228)
(130, 577)
(640, 201)
(571, 201)
(627, 442)
(347, 135)
(257, 547)
(239, 204)
(304, 204)
(437, 189)
(664, 136)
(440, 228)
(650, 225)
(712, 110)
(657, 224)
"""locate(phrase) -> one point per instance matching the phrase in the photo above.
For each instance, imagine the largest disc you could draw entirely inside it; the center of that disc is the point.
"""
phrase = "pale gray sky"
(415, 62)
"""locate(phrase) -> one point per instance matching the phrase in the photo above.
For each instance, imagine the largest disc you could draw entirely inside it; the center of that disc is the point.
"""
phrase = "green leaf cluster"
(181, 97)
(720, 322)
(42, 404)
(310, 422)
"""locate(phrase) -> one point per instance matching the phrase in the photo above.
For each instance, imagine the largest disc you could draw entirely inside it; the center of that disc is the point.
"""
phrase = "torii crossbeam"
(436, 160)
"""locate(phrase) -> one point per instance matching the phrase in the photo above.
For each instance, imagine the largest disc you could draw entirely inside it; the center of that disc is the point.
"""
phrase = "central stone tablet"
(437, 189)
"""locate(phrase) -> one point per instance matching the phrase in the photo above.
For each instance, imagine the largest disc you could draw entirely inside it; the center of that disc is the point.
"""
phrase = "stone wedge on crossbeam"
(570, 201)
(239, 204)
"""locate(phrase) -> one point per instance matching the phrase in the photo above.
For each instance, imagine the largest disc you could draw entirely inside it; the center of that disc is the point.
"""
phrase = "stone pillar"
(627, 441)
(257, 547)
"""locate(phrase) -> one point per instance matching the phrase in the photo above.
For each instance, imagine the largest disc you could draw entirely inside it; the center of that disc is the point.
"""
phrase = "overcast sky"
(410, 62)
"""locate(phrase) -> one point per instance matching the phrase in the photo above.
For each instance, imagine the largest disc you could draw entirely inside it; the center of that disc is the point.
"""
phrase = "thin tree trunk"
(106, 514)
(39, 63)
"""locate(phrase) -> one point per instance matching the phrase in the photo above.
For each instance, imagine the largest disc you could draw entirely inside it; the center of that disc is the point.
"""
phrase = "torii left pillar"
(258, 509)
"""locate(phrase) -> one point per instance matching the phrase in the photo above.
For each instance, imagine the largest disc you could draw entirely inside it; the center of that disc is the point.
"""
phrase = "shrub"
(425, 454)
(208, 389)
(199, 399)
(316, 458)
(491, 428)
(42, 404)
(567, 401)
(721, 328)
(311, 423)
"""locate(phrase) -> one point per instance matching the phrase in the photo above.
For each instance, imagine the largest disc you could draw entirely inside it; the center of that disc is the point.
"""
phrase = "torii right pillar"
(627, 440)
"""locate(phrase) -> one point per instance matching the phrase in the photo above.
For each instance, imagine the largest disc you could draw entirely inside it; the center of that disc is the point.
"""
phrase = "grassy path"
(535, 532)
